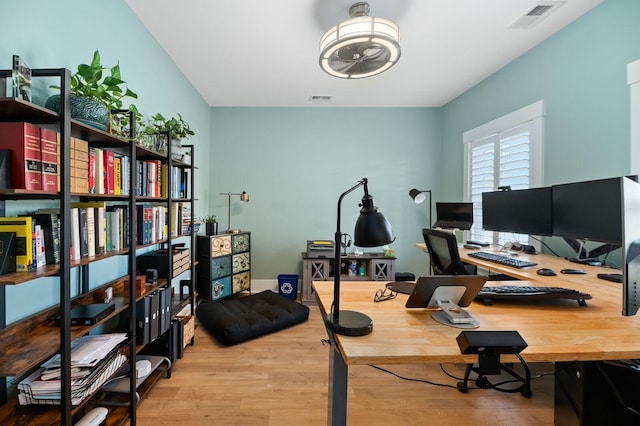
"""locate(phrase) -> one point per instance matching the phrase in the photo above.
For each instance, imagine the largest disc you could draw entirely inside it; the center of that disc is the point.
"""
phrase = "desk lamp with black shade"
(371, 230)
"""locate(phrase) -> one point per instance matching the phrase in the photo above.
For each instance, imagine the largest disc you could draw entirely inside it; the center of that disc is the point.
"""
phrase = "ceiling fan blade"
(347, 53)
(344, 66)
(372, 52)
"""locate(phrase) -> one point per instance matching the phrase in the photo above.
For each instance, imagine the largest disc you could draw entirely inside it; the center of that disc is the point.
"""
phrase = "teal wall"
(581, 75)
(295, 162)
(65, 33)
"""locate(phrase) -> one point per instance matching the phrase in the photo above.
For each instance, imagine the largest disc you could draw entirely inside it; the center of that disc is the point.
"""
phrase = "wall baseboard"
(262, 285)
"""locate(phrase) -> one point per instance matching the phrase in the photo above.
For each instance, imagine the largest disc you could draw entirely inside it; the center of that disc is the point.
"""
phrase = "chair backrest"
(443, 249)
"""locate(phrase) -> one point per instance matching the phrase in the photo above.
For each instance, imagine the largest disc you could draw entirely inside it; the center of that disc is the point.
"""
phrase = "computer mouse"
(546, 271)
(573, 271)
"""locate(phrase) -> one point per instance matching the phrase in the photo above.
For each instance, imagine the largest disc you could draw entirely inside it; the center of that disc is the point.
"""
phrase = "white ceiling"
(264, 53)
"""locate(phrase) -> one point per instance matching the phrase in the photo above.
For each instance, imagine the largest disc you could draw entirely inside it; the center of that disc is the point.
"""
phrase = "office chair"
(445, 259)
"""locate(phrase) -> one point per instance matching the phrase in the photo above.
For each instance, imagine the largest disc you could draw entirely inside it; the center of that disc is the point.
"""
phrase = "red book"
(92, 171)
(109, 173)
(23, 141)
(49, 155)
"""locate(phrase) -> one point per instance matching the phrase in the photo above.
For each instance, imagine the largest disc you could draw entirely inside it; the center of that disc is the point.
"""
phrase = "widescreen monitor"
(523, 211)
(589, 210)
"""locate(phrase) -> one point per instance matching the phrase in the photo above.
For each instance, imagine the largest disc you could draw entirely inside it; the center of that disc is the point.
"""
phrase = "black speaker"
(5, 168)
(151, 276)
(490, 342)
(7, 252)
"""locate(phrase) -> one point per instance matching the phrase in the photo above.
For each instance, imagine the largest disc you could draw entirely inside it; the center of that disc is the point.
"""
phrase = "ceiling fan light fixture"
(360, 47)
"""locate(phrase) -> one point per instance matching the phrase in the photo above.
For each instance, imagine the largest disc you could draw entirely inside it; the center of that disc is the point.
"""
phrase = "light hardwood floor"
(281, 379)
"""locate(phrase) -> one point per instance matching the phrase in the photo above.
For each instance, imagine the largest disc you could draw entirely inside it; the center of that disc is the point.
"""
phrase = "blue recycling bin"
(288, 286)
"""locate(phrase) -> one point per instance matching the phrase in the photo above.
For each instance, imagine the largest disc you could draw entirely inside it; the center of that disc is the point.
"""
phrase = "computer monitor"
(454, 215)
(630, 246)
(523, 211)
(589, 210)
(604, 210)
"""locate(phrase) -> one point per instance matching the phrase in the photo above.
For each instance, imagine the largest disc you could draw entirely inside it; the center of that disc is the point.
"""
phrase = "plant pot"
(86, 110)
(211, 228)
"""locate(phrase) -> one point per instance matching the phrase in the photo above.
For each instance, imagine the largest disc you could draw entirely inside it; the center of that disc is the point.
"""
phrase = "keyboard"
(452, 224)
(488, 294)
(502, 260)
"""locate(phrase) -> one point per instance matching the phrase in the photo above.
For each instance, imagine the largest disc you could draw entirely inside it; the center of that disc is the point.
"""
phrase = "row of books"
(96, 228)
(33, 158)
(32, 162)
(28, 243)
(153, 222)
(108, 173)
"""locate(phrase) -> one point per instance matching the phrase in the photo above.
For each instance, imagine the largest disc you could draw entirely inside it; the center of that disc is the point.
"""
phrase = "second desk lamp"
(244, 197)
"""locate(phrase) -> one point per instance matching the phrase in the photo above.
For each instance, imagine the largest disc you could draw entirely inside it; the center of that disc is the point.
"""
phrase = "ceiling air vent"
(536, 14)
(320, 98)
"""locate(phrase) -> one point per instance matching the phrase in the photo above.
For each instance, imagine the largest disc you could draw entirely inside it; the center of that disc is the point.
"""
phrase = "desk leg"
(338, 376)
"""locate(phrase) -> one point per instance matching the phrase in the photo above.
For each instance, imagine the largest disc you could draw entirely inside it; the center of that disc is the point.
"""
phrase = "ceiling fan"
(360, 47)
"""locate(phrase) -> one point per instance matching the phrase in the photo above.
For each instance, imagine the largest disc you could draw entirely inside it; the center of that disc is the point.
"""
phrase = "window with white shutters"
(505, 152)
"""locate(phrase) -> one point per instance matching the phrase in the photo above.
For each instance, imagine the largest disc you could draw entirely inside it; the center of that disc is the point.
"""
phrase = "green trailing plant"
(212, 218)
(91, 81)
(120, 122)
(176, 126)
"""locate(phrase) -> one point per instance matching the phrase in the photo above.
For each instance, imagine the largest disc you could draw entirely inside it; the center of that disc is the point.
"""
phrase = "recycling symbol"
(286, 288)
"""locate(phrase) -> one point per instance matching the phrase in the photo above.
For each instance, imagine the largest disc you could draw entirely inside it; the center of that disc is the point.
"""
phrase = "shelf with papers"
(28, 343)
(98, 356)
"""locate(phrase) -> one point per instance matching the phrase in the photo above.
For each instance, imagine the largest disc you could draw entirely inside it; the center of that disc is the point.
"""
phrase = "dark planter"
(211, 228)
(86, 110)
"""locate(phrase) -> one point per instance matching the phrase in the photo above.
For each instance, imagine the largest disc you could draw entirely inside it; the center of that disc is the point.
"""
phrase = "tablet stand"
(454, 316)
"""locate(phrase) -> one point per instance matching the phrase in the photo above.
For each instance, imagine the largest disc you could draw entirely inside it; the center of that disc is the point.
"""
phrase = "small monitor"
(447, 293)
(454, 216)
(523, 211)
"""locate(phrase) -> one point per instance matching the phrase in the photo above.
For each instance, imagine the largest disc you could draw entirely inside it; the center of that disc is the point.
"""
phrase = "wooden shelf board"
(15, 278)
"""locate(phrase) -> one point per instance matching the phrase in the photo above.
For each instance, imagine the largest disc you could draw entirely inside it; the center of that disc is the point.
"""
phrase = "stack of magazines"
(94, 359)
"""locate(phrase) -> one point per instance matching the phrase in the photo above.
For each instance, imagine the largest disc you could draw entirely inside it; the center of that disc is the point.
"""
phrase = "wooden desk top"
(543, 261)
(554, 331)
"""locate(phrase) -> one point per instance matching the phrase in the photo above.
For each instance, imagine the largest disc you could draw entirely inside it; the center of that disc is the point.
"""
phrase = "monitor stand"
(454, 316)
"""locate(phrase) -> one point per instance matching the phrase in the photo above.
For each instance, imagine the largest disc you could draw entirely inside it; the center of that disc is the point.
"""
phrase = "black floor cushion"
(238, 319)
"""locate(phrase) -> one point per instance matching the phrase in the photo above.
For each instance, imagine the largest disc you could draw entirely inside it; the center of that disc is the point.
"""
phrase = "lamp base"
(351, 323)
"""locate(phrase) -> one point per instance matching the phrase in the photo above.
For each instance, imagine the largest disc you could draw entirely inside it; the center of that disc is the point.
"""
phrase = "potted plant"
(176, 127)
(94, 94)
(211, 224)
(120, 122)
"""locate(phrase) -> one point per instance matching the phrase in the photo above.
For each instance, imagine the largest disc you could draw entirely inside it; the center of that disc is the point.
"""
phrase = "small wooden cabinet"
(224, 265)
(366, 267)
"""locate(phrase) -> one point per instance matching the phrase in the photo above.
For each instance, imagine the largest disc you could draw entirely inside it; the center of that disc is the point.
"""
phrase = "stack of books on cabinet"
(93, 217)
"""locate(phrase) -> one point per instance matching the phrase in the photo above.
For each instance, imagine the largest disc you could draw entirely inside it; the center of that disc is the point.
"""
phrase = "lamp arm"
(430, 204)
(336, 261)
